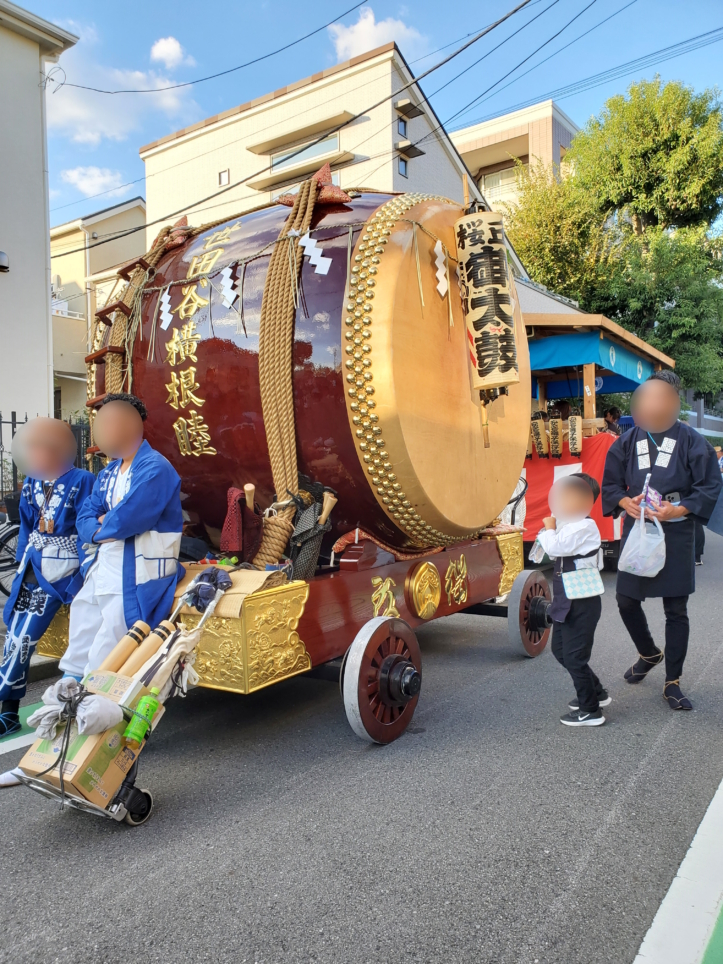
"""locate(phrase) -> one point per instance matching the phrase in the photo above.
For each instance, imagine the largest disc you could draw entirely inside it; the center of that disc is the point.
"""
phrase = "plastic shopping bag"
(644, 552)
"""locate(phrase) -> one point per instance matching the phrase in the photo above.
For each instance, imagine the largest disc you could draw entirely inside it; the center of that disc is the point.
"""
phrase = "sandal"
(9, 723)
(674, 695)
(638, 671)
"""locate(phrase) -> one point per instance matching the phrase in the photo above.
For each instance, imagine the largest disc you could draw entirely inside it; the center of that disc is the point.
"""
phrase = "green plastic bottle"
(138, 728)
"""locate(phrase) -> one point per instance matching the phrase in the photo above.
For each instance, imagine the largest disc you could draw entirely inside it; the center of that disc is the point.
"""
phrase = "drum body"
(383, 409)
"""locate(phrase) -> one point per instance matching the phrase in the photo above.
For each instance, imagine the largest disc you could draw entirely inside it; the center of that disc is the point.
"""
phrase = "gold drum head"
(416, 422)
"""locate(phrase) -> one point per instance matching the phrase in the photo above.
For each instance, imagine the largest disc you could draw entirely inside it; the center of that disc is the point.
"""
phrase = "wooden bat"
(249, 491)
(148, 648)
(326, 507)
(125, 646)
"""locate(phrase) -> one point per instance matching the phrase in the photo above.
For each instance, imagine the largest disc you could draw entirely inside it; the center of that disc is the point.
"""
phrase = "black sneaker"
(580, 718)
(603, 700)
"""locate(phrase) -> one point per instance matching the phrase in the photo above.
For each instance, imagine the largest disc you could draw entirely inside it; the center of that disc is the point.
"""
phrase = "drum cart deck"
(358, 623)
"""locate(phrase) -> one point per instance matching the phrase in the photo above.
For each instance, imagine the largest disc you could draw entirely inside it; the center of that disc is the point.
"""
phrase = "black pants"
(699, 540)
(677, 630)
(572, 645)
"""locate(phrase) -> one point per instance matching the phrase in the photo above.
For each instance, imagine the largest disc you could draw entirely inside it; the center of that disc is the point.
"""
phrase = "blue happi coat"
(150, 520)
(55, 559)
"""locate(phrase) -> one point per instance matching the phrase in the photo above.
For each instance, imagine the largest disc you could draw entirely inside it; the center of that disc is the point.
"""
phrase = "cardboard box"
(95, 765)
(94, 768)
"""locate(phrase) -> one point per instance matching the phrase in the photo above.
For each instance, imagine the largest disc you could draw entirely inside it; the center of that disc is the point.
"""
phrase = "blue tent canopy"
(583, 348)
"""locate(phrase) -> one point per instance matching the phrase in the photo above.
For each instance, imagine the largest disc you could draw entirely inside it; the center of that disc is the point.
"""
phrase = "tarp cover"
(582, 348)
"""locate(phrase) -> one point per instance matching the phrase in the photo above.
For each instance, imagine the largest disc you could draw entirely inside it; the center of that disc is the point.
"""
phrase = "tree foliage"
(657, 153)
(627, 231)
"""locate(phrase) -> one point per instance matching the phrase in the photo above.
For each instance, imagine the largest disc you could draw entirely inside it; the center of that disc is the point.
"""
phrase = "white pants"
(97, 623)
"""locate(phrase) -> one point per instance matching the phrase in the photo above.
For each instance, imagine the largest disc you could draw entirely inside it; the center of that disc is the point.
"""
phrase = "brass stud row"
(358, 335)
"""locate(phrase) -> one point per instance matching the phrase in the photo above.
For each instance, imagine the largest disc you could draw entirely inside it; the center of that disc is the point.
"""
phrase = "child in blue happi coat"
(48, 554)
(131, 527)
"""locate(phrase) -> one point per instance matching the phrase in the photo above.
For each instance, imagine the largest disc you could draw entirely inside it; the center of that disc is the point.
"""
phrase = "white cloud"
(368, 33)
(87, 117)
(168, 51)
(95, 180)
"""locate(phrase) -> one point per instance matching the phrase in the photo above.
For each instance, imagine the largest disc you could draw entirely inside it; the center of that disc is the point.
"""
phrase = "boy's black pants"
(572, 645)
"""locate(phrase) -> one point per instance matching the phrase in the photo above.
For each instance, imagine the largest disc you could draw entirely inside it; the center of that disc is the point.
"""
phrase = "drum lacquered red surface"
(195, 365)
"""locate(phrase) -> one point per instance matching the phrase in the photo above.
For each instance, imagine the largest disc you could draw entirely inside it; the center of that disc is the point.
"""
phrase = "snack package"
(652, 499)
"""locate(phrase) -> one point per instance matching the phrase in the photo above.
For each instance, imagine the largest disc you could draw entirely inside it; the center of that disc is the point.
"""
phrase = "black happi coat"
(691, 470)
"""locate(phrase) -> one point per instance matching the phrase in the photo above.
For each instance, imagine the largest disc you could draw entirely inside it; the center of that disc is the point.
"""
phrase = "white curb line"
(7, 746)
(685, 920)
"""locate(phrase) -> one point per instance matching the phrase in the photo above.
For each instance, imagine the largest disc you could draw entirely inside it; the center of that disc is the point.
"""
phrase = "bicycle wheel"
(8, 566)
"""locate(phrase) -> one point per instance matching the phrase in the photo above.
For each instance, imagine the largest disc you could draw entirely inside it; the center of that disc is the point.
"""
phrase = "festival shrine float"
(342, 382)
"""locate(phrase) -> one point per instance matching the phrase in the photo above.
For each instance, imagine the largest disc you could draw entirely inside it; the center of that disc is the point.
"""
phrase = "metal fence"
(10, 477)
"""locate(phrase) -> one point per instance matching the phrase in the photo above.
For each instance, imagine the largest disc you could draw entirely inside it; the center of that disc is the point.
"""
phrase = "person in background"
(679, 468)
(612, 419)
(131, 525)
(572, 540)
(719, 456)
(48, 555)
(699, 542)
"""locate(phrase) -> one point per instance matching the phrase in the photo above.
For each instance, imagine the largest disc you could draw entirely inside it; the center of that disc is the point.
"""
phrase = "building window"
(403, 166)
(297, 155)
(223, 178)
(402, 126)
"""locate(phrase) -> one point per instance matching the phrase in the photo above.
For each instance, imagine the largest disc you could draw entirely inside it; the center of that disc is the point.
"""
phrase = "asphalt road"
(488, 833)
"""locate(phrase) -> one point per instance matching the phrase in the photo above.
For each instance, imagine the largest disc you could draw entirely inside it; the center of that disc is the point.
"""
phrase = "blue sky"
(94, 138)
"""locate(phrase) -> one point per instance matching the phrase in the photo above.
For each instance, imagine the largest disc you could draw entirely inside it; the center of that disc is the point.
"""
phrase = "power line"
(524, 61)
(321, 137)
(344, 94)
(559, 50)
(614, 73)
(221, 73)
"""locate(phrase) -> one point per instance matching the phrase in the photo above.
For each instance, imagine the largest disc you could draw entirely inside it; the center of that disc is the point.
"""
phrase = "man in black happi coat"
(683, 468)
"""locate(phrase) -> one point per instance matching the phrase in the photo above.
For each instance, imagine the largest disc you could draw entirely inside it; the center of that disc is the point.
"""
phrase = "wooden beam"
(541, 395)
(588, 375)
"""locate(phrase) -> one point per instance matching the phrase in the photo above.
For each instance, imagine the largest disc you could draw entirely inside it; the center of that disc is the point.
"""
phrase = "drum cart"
(356, 623)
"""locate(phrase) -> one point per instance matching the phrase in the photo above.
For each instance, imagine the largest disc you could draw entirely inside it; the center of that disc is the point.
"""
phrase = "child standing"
(572, 540)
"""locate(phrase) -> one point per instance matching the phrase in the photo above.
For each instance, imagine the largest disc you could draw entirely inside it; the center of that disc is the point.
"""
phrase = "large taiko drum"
(384, 412)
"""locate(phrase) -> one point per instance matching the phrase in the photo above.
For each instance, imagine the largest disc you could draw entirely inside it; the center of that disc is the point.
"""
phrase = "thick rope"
(276, 342)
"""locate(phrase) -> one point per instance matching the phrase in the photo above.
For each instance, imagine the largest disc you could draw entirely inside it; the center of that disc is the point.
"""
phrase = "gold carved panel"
(424, 590)
(54, 641)
(258, 648)
(456, 584)
(509, 546)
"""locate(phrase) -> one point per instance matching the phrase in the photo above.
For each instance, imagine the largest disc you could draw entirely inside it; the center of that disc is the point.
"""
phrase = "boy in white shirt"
(572, 540)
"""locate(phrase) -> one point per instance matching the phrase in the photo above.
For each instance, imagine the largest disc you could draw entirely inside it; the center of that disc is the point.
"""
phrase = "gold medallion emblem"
(424, 590)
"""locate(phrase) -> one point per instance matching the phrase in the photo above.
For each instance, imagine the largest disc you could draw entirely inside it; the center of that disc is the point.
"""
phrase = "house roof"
(275, 95)
(51, 39)
(96, 215)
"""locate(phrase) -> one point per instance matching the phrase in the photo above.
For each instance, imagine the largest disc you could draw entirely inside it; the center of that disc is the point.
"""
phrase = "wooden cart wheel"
(382, 679)
(527, 605)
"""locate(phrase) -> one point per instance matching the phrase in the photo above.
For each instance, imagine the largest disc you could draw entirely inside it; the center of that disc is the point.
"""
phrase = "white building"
(82, 282)
(492, 149)
(269, 143)
(27, 44)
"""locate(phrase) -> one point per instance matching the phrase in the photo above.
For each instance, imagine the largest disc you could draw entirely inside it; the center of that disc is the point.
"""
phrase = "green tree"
(656, 154)
(627, 231)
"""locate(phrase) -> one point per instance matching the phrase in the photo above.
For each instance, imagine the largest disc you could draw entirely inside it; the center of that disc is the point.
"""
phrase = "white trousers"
(97, 622)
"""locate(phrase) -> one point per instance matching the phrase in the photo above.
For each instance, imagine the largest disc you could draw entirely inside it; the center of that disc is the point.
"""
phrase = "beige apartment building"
(275, 141)
(541, 133)
(83, 278)
(27, 45)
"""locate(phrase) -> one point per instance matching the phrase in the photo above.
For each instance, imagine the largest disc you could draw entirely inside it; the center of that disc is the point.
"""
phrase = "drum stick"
(249, 491)
(148, 648)
(465, 191)
(326, 507)
(125, 646)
